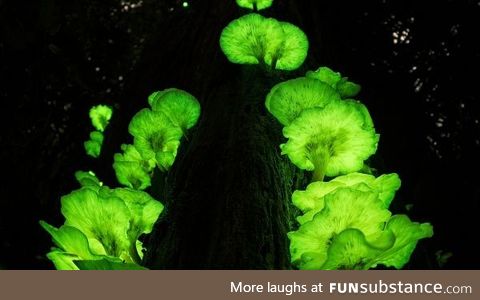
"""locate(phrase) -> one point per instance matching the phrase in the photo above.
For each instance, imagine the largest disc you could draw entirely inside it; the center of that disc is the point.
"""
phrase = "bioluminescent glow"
(180, 107)
(93, 146)
(355, 231)
(131, 169)
(345, 88)
(288, 99)
(255, 4)
(330, 141)
(312, 200)
(254, 39)
(102, 224)
(100, 116)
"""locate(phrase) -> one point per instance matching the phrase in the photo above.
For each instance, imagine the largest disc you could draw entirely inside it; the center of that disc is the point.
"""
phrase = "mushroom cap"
(355, 230)
(182, 109)
(155, 136)
(93, 146)
(100, 116)
(288, 99)
(325, 74)
(344, 208)
(345, 88)
(293, 50)
(144, 210)
(72, 245)
(352, 250)
(253, 39)
(131, 169)
(312, 200)
(339, 129)
(261, 4)
(88, 179)
(104, 219)
(248, 39)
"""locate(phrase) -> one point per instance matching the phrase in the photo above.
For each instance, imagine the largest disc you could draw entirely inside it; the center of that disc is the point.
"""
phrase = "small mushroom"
(88, 179)
(345, 88)
(253, 39)
(93, 146)
(288, 99)
(255, 4)
(330, 141)
(181, 108)
(100, 116)
(131, 169)
(155, 137)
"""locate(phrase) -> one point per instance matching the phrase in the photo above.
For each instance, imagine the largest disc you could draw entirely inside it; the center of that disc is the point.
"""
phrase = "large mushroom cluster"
(156, 132)
(103, 225)
(345, 222)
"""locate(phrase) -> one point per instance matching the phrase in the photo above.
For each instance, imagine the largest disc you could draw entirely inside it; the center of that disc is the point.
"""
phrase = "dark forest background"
(417, 62)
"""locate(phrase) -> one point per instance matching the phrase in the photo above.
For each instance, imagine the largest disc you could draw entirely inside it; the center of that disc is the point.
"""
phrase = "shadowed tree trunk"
(228, 194)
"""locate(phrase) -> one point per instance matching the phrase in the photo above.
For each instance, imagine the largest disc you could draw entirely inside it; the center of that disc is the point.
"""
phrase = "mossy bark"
(228, 194)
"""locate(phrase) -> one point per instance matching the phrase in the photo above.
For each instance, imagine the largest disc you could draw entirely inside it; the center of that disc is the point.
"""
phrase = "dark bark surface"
(228, 197)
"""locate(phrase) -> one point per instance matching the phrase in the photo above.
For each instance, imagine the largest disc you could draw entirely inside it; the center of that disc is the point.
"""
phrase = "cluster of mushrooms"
(100, 116)
(103, 225)
(345, 223)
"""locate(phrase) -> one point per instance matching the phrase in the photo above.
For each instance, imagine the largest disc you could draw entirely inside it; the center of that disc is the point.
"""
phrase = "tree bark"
(228, 194)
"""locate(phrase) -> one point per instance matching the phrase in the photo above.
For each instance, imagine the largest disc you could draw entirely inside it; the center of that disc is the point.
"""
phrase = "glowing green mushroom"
(355, 231)
(288, 99)
(100, 116)
(330, 141)
(181, 108)
(255, 4)
(344, 208)
(311, 201)
(345, 88)
(155, 137)
(93, 147)
(246, 40)
(253, 39)
(131, 169)
(144, 212)
(293, 51)
(72, 245)
(407, 234)
(88, 179)
(104, 219)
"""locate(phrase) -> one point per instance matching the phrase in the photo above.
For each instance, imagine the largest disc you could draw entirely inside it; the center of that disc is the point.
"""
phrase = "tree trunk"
(228, 195)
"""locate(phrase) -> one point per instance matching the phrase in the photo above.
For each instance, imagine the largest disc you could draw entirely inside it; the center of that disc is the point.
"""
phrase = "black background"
(58, 58)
